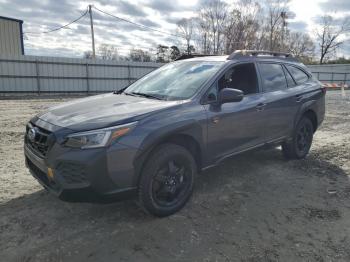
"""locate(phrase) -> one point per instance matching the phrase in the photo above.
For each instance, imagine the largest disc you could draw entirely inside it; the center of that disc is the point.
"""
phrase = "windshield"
(175, 81)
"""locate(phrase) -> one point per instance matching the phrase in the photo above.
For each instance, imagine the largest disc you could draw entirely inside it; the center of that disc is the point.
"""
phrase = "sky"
(42, 15)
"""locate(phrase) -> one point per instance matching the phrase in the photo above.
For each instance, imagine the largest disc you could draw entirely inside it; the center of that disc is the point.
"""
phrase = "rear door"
(305, 89)
(281, 106)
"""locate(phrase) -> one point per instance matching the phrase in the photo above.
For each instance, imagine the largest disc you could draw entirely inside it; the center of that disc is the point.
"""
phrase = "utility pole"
(92, 33)
(284, 25)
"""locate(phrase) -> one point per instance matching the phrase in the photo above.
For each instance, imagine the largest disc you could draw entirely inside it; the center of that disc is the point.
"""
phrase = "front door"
(233, 127)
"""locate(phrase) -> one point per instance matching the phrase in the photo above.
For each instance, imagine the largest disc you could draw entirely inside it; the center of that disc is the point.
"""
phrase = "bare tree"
(87, 55)
(247, 24)
(329, 36)
(300, 45)
(212, 18)
(175, 52)
(108, 52)
(139, 55)
(242, 26)
(162, 54)
(185, 27)
(276, 10)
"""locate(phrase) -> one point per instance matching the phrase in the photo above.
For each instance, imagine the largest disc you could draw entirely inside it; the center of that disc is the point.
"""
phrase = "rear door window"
(299, 75)
(272, 77)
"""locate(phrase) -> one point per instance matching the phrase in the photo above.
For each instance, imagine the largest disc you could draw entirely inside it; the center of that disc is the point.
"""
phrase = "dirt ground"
(253, 207)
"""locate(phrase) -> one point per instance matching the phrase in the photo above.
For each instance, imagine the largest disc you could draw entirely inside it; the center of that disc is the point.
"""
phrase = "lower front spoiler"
(77, 194)
(90, 196)
(86, 194)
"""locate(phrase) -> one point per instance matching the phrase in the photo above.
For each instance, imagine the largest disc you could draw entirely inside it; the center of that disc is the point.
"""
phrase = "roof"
(11, 19)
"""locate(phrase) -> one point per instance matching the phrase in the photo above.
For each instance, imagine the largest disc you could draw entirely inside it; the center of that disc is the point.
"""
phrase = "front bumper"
(91, 175)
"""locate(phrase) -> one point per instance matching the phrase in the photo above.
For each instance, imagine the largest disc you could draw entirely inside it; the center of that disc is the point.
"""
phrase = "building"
(11, 37)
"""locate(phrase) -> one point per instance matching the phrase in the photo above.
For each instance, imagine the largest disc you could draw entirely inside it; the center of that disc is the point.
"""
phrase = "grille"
(71, 172)
(39, 142)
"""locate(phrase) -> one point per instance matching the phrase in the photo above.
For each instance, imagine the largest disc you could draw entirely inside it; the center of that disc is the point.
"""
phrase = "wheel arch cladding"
(189, 137)
(312, 116)
(309, 110)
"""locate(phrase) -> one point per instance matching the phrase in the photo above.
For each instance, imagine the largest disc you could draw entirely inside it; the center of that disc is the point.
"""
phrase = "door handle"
(260, 106)
(215, 119)
(298, 98)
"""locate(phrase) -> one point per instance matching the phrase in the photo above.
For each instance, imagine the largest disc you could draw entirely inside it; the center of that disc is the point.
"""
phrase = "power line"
(138, 25)
(116, 17)
(61, 27)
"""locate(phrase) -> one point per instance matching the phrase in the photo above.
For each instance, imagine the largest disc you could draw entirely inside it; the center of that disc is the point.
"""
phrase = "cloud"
(171, 19)
(148, 22)
(43, 15)
(168, 6)
(81, 29)
(336, 20)
(162, 6)
(130, 9)
(335, 5)
(345, 48)
(298, 25)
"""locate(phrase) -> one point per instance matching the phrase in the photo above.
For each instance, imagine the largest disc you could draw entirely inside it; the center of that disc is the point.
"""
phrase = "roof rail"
(187, 56)
(247, 53)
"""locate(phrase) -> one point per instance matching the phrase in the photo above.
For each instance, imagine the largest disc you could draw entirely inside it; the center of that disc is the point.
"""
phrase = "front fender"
(191, 128)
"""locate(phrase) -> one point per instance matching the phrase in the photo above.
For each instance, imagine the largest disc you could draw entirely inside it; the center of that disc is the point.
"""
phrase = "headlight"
(98, 138)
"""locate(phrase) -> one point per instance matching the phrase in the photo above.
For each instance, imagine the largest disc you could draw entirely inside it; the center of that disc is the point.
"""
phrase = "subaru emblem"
(32, 134)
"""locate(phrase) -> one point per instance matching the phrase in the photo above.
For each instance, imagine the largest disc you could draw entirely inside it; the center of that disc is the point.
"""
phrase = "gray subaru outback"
(151, 139)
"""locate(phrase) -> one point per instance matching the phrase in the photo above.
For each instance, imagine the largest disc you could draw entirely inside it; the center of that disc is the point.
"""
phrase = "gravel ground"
(253, 207)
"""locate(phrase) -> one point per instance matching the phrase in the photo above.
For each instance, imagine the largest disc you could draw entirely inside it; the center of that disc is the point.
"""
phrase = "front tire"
(299, 146)
(167, 180)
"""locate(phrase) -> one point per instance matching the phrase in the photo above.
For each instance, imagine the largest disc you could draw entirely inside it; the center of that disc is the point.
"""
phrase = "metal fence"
(31, 74)
(333, 77)
(36, 74)
(331, 73)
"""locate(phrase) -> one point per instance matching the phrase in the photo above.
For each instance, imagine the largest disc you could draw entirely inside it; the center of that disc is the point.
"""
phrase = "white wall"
(10, 37)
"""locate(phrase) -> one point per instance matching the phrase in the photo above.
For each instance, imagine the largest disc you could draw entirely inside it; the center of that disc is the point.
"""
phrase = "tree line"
(219, 28)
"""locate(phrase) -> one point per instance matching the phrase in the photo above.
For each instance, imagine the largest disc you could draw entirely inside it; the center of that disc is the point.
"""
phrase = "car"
(151, 140)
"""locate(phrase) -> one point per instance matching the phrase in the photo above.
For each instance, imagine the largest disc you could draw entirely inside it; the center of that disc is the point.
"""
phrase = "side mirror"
(228, 95)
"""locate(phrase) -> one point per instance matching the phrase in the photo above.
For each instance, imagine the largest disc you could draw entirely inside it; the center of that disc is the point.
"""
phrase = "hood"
(101, 111)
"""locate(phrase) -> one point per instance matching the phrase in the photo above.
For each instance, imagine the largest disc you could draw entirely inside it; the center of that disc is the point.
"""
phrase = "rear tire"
(299, 146)
(167, 180)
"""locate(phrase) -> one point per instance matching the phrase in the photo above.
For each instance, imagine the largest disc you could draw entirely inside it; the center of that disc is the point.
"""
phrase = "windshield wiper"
(120, 91)
(145, 95)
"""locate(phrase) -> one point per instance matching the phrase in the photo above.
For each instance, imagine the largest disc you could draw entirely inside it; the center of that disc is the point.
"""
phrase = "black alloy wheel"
(167, 180)
(299, 146)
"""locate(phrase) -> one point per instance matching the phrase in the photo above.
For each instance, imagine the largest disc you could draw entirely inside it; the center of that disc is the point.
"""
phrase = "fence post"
(345, 78)
(129, 75)
(37, 76)
(332, 77)
(87, 78)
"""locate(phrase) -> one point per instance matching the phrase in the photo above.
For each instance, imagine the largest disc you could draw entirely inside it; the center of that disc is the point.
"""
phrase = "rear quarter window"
(299, 75)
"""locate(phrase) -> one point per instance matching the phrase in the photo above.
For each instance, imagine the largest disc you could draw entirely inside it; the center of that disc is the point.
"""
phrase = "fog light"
(50, 173)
